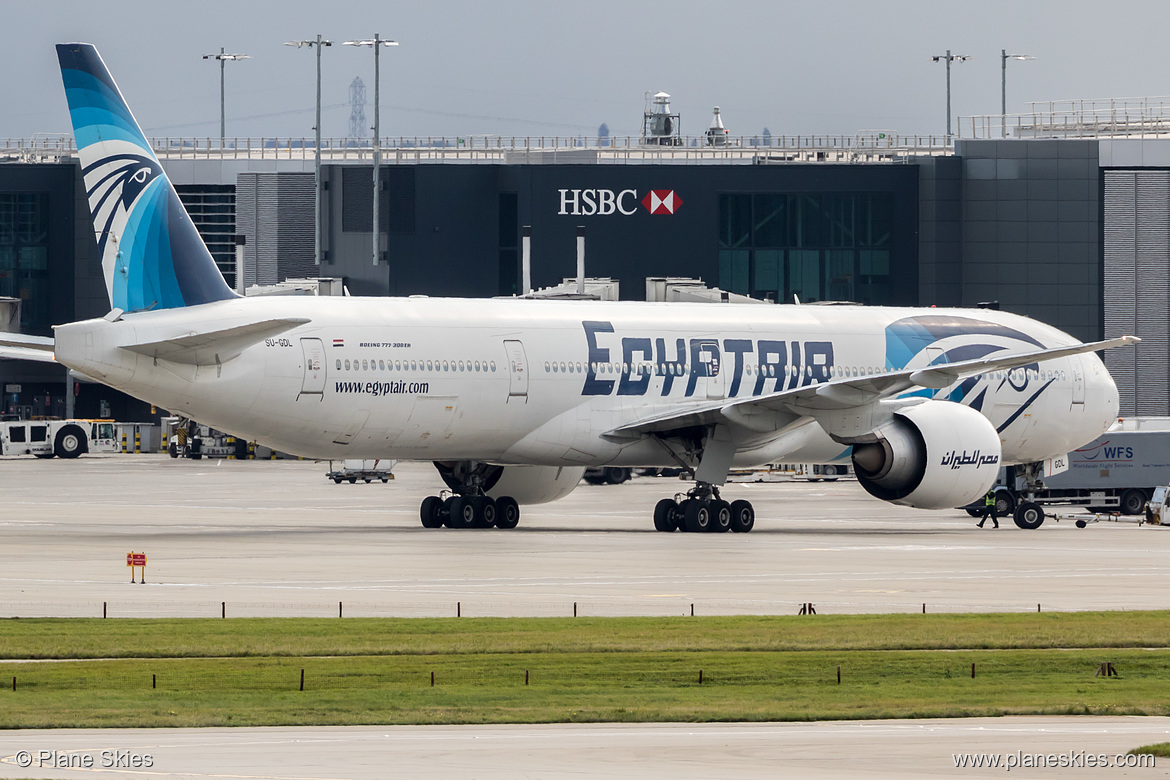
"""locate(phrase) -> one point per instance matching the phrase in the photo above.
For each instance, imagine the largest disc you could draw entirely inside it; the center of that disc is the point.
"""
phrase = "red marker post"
(134, 559)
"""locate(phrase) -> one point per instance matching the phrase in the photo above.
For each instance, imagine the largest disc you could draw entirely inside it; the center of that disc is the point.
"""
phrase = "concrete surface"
(832, 751)
(277, 538)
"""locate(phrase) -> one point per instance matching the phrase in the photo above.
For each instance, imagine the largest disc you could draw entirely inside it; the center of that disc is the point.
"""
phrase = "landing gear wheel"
(431, 512)
(1133, 502)
(743, 516)
(1029, 515)
(697, 515)
(507, 513)
(460, 512)
(616, 476)
(664, 515)
(720, 516)
(485, 512)
(974, 512)
(1005, 504)
(70, 442)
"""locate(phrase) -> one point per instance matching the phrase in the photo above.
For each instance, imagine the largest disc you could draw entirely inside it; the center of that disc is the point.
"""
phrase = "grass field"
(248, 672)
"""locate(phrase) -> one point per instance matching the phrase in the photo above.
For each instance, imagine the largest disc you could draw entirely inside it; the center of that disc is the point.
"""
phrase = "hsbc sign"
(603, 203)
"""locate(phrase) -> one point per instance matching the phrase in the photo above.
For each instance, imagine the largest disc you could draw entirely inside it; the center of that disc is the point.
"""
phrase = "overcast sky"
(529, 68)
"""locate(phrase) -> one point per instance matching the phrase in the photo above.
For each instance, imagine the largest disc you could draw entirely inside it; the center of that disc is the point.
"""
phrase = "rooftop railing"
(863, 147)
(1146, 117)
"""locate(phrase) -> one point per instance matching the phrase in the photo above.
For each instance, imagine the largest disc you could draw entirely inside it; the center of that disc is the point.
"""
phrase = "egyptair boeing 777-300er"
(512, 399)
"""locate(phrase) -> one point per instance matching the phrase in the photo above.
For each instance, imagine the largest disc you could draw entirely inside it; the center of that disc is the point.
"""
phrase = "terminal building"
(1065, 219)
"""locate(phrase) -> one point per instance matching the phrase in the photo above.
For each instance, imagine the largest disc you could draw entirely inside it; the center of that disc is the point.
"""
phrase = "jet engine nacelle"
(536, 484)
(934, 455)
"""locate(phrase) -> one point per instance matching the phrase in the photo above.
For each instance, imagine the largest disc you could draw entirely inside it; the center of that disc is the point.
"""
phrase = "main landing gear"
(701, 510)
(456, 511)
(467, 504)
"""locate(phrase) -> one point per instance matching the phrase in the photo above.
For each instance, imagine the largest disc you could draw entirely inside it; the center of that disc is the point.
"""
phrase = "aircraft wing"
(205, 349)
(774, 411)
(17, 346)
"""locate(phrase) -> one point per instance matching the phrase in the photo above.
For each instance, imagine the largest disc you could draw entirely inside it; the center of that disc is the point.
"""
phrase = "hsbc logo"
(602, 203)
(661, 201)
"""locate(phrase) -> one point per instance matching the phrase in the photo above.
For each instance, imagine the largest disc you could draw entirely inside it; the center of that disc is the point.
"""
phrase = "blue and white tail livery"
(152, 256)
(511, 399)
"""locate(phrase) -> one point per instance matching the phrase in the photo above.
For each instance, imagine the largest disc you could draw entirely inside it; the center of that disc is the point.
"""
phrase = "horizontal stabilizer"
(25, 353)
(205, 349)
(17, 346)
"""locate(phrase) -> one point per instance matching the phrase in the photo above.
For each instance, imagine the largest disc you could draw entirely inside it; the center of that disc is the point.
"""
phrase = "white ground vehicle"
(1116, 472)
(365, 470)
(63, 438)
(1157, 512)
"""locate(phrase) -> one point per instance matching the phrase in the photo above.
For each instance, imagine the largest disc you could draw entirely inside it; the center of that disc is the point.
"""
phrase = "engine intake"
(934, 455)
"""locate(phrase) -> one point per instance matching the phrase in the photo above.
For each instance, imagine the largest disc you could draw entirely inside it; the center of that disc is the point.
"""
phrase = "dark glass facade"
(24, 255)
(817, 246)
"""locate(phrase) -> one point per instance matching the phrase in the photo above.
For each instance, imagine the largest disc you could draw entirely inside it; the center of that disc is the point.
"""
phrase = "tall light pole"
(1003, 58)
(319, 43)
(222, 59)
(377, 43)
(948, 58)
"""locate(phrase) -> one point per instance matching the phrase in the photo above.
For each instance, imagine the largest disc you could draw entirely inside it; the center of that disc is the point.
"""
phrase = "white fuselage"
(541, 382)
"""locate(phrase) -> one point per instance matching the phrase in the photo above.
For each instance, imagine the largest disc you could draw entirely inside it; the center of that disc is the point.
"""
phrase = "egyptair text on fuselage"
(705, 357)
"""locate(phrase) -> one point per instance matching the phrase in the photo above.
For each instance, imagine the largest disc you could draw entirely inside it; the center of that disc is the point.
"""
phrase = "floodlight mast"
(319, 43)
(223, 57)
(948, 58)
(377, 42)
(1003, 58)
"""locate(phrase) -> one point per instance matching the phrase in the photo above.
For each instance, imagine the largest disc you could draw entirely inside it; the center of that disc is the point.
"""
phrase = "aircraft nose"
(1102, 401)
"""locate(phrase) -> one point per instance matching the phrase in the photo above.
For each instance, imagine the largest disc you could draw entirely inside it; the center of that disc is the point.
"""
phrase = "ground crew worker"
(989, 510)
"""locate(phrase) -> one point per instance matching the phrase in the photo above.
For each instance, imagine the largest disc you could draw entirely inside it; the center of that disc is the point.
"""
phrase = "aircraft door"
(314, 379)
(517, 370)
(1078, 388)
(710, 366)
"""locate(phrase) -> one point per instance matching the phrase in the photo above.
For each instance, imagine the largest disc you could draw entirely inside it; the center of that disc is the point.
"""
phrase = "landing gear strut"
(703, 510)
(1028, 514)
(467, 505)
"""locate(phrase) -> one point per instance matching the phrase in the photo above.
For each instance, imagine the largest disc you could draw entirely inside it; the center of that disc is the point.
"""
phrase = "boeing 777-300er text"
(512, 399)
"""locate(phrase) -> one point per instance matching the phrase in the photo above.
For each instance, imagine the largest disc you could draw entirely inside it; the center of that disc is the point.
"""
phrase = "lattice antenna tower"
(357, 108)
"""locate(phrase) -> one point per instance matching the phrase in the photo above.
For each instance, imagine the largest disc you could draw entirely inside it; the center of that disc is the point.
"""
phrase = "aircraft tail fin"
(152, 255)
